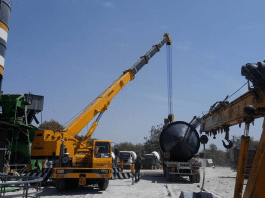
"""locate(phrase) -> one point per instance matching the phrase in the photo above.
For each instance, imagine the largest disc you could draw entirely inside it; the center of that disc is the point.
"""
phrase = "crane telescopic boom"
(101, 103)
(96, 107)
(245, 108)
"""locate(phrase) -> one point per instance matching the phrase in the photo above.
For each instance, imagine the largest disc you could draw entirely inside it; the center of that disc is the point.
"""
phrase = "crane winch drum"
(180, 140)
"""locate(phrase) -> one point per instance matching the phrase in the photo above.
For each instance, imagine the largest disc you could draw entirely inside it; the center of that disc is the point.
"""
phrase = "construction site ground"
(220, 181)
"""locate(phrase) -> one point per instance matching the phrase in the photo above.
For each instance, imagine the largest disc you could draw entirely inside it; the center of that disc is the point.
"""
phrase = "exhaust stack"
(5, 10)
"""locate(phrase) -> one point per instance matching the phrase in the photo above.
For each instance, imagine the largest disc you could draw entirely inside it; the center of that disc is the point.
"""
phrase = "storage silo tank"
(180, 140)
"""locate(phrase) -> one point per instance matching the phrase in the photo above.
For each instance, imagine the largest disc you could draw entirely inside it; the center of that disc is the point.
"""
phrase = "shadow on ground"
(159, 178)
(50, 190)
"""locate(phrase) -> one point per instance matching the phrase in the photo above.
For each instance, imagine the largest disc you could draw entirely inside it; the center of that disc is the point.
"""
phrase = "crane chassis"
(245, 108)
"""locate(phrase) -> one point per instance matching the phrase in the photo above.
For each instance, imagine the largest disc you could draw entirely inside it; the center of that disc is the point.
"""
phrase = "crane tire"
(60, 184)
(103, 184)
(198, 177)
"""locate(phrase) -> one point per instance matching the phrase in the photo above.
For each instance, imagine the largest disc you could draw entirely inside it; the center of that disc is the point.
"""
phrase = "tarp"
(210, 161)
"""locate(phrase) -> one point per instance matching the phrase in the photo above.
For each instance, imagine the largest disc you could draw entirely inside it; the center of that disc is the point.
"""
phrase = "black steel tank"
(181, 140)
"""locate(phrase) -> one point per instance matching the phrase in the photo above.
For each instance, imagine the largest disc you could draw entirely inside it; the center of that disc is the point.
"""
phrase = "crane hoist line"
(80, 162)
(169, 83)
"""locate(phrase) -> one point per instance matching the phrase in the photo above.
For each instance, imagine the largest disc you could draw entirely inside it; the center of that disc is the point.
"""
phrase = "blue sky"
(70, 51)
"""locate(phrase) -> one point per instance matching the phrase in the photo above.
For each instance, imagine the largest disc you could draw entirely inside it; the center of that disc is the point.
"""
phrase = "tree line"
(151, 143)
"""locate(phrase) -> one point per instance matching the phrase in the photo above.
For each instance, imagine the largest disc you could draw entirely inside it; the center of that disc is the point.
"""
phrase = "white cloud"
(154, 96)
(256, 26)
(118, 29)
(185, 47)
(108, 5)
(208, 55)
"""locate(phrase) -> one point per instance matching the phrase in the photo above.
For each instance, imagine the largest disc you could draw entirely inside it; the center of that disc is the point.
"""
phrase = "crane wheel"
(60, 184)
(192, 178)
(72, 183)
(168, 176)
(103, 184)
(198, 177)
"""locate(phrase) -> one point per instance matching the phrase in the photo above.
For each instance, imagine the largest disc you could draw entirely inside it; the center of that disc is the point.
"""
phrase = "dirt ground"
(219, 181)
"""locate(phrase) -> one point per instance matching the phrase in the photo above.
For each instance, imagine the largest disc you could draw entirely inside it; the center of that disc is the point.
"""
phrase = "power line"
(169, 79)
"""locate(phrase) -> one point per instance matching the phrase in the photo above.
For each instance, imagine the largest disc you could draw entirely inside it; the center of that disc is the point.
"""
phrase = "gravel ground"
(219, 181)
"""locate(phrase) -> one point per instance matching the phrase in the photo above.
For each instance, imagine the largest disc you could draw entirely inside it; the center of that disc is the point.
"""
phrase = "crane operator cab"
(102, 150)
(102, 155)
(86, 167)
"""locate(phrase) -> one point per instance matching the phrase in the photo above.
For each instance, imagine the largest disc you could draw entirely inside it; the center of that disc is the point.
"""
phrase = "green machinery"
(17, 131)
(16, 111)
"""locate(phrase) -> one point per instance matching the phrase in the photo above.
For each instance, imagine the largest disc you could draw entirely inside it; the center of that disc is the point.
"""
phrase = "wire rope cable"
(169, 78)
(238, 90)
(229, 96)
(73, 117)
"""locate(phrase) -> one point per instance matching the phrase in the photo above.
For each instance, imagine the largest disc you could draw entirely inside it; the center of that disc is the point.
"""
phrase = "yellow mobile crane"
(245, 108)
(79, 162)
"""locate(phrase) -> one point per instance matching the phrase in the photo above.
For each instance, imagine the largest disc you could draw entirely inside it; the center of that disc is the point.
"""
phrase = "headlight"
(60, 171)
(104, 171)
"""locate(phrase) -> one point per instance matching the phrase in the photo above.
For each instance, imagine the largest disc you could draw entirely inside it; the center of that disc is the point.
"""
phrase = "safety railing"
(23, 183)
